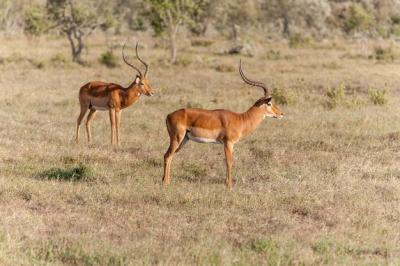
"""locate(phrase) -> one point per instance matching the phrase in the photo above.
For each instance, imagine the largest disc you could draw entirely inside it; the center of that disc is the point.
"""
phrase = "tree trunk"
(76, 41)
(235, 33)
(172, 38)
(286, 22)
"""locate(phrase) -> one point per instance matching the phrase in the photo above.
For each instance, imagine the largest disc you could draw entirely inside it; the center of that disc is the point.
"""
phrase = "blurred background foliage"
(231, 19)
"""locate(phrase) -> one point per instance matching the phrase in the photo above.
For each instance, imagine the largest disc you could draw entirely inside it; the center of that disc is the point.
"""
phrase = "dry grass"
(320, 186)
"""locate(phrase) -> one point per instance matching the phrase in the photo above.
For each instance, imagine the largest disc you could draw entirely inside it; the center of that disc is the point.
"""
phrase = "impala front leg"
(118, 123)
(112, 121)
(228, 147)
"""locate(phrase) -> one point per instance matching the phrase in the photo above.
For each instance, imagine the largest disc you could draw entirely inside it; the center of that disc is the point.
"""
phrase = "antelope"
(217, 126)
(101, 96)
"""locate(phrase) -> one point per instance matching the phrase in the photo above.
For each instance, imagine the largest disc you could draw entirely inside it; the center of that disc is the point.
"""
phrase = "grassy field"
(321, 186)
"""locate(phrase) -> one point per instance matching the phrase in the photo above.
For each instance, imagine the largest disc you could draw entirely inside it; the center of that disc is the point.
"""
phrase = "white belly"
(99, 108)
(202, 140)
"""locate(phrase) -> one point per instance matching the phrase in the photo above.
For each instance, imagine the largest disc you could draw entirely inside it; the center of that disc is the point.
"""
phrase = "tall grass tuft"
(377, 96)
(336, 95)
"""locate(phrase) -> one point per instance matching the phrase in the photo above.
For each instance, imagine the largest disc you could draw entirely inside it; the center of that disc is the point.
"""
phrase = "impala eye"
(269, 104)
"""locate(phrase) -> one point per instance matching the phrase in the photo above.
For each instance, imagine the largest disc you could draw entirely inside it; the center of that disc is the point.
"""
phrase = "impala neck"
(251, 119)
(132, 94)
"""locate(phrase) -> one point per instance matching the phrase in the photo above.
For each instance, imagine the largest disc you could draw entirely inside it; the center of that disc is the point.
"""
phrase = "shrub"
(183, 61)
(201, 42)
(378, 97)
(37, 63)
(358, 19)
(59, 59)
(298, 40)
(76, 173)
(224, 68)
(336, 95)
(274, 55)
(395, 19)
(384, 54)
(282, 96)
(35, 22)
(396, 30)
(264, 245)
(108, 59)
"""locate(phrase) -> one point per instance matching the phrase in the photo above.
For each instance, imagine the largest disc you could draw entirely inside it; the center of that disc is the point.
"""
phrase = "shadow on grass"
(73, 173)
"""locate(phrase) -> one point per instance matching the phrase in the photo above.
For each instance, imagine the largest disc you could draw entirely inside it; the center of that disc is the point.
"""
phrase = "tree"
(202, 15)
(11, 15)
(168, 16)
(233, 14)
(308, 14)
(72, 18)
(35, 20)
(77, 20)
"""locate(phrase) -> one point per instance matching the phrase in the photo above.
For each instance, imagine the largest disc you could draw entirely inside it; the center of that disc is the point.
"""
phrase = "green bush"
(395, 19)
(298, 41)
(384, 54)
(108, 59)
(264, 246)
(183, 61)
(282, 96)
(378, 97)
(395, 30)
(35, 21)
(358, 19)
(201, 42)
(336, 95)
(58, 59)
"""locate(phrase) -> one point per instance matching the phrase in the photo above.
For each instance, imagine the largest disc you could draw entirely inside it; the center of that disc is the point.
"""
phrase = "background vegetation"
(320, 186)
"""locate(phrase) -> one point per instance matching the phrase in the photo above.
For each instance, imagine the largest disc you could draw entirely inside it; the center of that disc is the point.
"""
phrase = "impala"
(100, 96)
(217, 126)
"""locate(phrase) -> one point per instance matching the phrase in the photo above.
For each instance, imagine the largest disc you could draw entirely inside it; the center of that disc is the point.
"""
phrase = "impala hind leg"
(228, 148)
(89, 119)
(84, 109)
(185, 139)
(176, 143)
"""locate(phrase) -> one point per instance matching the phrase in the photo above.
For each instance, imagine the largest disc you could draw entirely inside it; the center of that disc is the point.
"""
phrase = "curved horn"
(129, 64)
(251, 82)
(143, 62)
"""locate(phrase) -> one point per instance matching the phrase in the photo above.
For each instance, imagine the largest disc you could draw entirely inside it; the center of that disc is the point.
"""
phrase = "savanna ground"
(320, 186)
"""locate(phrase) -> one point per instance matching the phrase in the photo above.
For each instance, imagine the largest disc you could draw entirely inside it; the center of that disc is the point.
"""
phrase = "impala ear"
(269, 99)
(137, 79)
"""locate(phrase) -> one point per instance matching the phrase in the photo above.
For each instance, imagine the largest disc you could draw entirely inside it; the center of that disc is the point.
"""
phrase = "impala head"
(269, 109)
(140, 80)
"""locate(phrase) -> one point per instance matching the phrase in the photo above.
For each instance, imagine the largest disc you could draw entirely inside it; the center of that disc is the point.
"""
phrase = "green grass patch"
(74, 173)
(73, 254)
